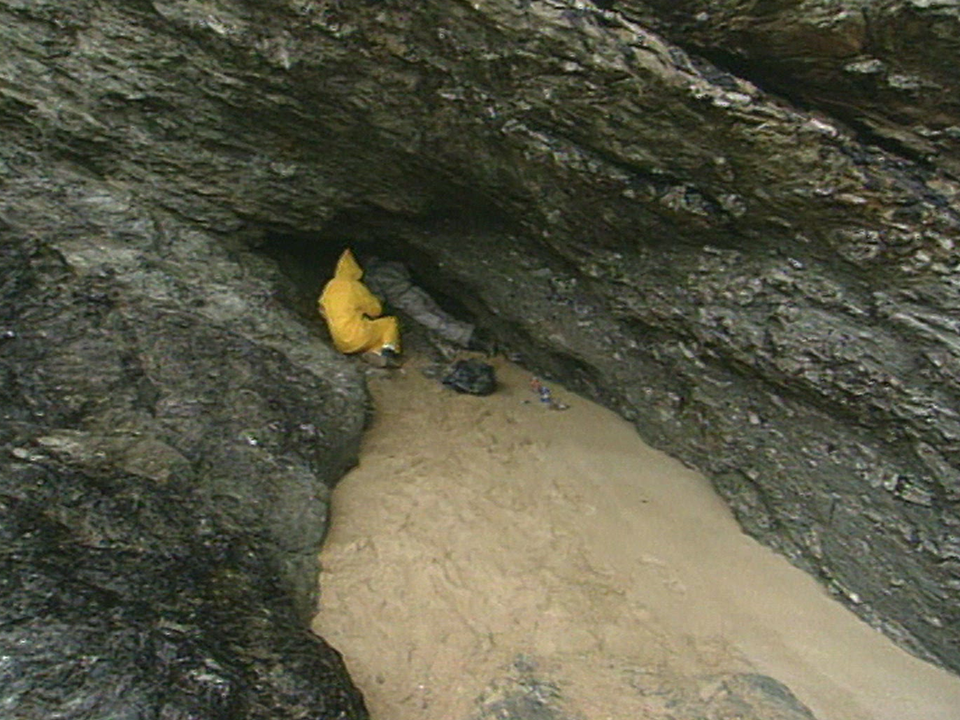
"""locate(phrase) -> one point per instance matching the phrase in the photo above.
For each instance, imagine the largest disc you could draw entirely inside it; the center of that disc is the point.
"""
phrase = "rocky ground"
(740, 262)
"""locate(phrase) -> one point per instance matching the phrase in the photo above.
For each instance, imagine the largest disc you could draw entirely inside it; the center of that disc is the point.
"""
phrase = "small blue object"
(544, 394)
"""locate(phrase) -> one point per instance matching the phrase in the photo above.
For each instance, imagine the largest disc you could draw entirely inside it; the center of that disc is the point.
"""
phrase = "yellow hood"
(347, 267)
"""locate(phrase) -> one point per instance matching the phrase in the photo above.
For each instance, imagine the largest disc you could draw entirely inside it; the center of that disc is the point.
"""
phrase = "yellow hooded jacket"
(352, 312)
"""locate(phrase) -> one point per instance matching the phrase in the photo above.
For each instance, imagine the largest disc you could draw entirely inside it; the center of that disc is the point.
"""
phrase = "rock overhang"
(766, 295)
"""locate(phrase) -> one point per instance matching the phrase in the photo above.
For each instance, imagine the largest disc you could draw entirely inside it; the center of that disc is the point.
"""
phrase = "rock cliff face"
(742, 238)
(885, 68)
(165, 465)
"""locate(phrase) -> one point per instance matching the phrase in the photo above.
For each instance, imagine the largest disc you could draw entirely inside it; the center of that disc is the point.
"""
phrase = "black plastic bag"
(473, 377)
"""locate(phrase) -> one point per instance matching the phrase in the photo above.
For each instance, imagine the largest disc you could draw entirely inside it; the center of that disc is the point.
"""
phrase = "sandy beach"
(485, 537)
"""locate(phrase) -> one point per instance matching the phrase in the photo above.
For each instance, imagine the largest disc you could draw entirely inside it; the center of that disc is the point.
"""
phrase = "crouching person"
(352, 314)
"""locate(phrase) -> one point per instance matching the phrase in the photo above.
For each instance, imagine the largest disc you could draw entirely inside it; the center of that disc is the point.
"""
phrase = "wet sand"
(482, 533)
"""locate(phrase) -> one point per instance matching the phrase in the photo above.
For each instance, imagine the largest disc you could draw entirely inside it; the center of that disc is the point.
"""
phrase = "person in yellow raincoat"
(352, 314)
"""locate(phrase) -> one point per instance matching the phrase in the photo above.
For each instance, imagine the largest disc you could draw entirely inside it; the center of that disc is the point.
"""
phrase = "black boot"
(391, 358)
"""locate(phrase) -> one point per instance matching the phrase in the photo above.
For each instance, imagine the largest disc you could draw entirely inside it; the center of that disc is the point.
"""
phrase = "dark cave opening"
(308, 260)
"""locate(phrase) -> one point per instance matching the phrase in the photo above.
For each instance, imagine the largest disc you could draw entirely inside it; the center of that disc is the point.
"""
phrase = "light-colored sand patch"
(481, 530)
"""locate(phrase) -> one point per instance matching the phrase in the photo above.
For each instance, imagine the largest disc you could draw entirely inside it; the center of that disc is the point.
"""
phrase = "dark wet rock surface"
(887, 68)
(733, 696)
(164, 485)
(117, 601)
(526, 693)
(760, 272)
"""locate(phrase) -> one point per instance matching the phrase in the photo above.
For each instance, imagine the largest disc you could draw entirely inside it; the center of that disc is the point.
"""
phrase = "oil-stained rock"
(887, 69)
(527, 693)
(164, 478)
(762, 274)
